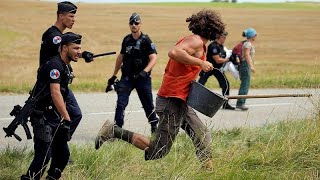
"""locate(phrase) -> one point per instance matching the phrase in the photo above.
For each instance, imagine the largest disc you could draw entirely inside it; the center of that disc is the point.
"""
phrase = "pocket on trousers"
(161, 104)
(43, 132)
(169, 111)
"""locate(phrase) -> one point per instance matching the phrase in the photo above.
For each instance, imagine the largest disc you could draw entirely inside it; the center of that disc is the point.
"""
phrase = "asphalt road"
(98, 107)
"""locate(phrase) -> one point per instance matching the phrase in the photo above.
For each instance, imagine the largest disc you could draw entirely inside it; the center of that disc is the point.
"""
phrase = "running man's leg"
(170, 112)
(199, 133)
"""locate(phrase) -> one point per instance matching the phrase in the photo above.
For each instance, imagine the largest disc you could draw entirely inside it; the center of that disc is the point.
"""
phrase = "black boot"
(153, 128)
(56, 174)
(25, 177)
(228, 106)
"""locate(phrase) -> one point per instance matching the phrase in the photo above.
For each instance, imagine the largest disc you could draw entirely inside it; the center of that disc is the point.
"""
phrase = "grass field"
(288, 150)
(286, 49)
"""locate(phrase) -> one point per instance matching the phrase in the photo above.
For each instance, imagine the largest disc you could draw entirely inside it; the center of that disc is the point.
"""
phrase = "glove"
(63, 133)
(87, 56)
(142, 74)
(110, 83)
(224, 54)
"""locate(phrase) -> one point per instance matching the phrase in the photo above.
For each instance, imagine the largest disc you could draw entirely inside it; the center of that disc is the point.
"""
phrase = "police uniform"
(50, 43)
(50, 135)
(135, 58)
(216, 49)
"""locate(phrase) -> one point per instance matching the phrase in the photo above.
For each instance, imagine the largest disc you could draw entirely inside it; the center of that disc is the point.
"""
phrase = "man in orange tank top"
(187, 59)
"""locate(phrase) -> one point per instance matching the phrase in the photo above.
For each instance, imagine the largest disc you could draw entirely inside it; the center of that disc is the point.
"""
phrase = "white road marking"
(112, 112)
(6, 118)
(141, 111)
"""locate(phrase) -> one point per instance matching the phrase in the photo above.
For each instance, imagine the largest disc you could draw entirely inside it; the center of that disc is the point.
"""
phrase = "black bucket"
(203, 100)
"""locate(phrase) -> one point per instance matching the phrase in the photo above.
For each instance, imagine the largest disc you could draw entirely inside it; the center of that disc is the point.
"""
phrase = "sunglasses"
(135, 23)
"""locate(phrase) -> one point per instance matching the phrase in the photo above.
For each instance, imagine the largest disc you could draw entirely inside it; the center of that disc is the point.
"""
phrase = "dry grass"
(287, 46)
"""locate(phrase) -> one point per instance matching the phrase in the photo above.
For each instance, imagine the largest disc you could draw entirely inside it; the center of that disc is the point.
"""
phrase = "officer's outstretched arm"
(152, 62)
(58, 100)
(118, 64)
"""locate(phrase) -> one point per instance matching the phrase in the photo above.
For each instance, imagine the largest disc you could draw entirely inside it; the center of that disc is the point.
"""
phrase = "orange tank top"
(178, 77)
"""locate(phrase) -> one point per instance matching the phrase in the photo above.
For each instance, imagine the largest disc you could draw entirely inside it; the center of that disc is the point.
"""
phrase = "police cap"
(70, 37)
(135, 17)
(66, 6)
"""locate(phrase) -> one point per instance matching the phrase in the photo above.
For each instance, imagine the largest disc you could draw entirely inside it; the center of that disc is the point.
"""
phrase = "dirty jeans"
(174, 113)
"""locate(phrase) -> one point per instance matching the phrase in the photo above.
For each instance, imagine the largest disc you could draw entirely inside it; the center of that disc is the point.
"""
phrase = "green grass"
(287, 150)
(278, 6)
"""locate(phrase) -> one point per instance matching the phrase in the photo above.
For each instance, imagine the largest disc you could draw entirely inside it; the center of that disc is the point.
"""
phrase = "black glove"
(110, 83)
(87, 56)
(142, 74)
(63, 133)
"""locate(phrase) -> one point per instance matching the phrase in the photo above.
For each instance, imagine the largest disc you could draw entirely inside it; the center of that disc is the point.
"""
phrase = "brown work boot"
(106, 133)
(208, 164)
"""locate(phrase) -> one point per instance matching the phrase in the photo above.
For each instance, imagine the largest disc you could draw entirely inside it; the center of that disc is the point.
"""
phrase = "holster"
(41, 129)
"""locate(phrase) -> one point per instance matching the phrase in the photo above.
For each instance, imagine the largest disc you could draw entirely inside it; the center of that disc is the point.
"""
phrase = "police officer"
(51, 122)
(136, 60)
(217, 56)
(51, 39)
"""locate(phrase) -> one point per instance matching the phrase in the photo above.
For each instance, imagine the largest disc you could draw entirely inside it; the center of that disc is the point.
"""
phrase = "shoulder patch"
(215, 50)
(56, 40)
(54, 74)
(153, 46)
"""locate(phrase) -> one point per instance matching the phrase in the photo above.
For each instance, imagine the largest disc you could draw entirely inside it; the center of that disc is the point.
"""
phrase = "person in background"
(137, 58)
(217, 56)
(246, 65)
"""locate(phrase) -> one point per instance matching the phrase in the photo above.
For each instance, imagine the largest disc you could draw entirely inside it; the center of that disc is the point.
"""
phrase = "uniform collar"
(62, 60)
(53, 26)
(138, 37)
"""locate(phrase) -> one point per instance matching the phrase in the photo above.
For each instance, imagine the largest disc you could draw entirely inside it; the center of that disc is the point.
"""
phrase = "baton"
(267, 96)
(103, 54)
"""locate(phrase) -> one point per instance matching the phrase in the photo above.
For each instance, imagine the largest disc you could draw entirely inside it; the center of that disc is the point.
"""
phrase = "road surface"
(97, 107)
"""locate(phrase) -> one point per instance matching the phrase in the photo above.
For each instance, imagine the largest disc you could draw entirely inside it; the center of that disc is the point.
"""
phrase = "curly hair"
(206, 23)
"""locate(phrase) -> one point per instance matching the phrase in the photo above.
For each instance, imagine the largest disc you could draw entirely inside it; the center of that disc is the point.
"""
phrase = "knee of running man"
(148, 155)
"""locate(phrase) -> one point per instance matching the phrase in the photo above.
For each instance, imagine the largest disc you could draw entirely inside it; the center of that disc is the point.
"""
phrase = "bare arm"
(248, 58)
(152, 62)
(219, 59)
(118, 64)
(58, 100)
(187, 52)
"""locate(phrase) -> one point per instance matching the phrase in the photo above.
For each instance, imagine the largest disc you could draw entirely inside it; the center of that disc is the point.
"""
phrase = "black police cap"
(71, 37)
(66, 6)
(135, 17)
